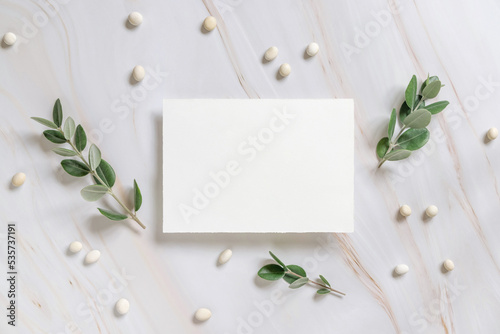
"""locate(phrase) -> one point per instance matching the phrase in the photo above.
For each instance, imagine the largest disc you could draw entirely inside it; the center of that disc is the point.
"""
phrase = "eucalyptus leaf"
(94, 192)
(428, 81)
(75, 168)
(299, 283)
(437, 107)
(411, 92)
(322, 291)
(94, 157)
(64, 152)
(112, 214)
(414, 139)
(431, 90)
(80, 138)
(57, 113)
(54, 136)
(294, 269)
(45, 122)
(397, 155)
(418, 119)
(271, 272)
(137, 197)
(324, 280)
(382, 147)
(277, 260)
(69, 128)
(392, 123)
(105, 173)
(404, 111)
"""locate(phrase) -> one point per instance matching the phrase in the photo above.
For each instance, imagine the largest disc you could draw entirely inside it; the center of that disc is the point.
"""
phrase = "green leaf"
(414, 139)
(69, 128)
(80, 138)
(411, 92)
(437, 107)
(74, 168)
(418, 119)
(404, 111)
(54, 136)
(94, 192)
(94, 157)
(295, 269)
(57, 113)
(324, 280)
(45, 122)
(112, 214)
(428, 81)
(271, 272)
(64, 152)
(382, 147)
(137, 197)
(431, 90)
(105, 173)
(392, 123)
(398, 155)
(299, 283)
(322, 291)
(277, 260)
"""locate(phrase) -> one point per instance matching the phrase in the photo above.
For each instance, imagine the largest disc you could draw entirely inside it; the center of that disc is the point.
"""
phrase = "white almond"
(92, 256)
(401, 269)
(203, 314)
(138, 73)
(285, 70)
(225, 256)
(135, 18)
(210, 23)
(9, 38)
(405, 210)
(431, 211)
(492, 133)
(122, 306)
(271, 53)
(312, 49)
(75, 247)
(18, 179)
(448, 265)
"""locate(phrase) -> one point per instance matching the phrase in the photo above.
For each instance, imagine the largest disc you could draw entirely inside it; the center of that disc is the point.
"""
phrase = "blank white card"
(258, 165)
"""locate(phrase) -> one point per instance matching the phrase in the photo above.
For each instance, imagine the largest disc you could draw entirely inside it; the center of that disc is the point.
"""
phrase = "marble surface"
(83, 52)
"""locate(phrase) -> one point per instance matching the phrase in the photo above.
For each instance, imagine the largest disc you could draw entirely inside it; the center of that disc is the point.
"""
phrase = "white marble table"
(83, 53)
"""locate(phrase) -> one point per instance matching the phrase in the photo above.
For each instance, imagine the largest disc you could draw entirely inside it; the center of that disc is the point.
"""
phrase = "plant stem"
(110, 191)
(313, 282)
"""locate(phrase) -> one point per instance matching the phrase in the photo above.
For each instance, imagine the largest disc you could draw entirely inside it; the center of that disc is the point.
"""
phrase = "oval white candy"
(135, 18)
(492, 133)
(9, 38)
(225, 256)
(203, 314)
(285, 70)
(448, 265)
(405, 210)
(209, 23)
(312, 49)
(122, 306)
(138, 73)
(18, 179)
(431, 211)
(75, 247)
(401, 269)
(271, 53)
(92, 256)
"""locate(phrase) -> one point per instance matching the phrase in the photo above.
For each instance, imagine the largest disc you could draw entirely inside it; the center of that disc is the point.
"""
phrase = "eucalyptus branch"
(101, 171)
(415, 116)
(294, 275)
